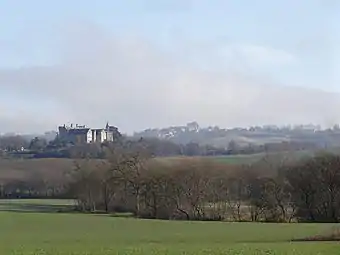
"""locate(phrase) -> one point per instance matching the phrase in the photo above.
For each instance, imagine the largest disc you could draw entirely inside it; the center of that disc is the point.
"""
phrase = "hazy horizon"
(146, 64)
(163, 127)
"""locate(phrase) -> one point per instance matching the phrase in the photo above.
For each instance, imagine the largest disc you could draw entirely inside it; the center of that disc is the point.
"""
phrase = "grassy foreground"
(27, 232)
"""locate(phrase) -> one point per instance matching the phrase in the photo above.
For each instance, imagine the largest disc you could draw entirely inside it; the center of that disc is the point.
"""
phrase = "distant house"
(82, 134)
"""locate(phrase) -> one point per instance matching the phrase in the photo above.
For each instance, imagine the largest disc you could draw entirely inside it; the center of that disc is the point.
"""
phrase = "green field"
(232, 160)
(239, 159)
(49, 232)
(247, 159)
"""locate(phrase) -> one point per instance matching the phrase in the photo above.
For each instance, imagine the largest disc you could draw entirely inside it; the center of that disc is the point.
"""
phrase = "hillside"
(309, 135)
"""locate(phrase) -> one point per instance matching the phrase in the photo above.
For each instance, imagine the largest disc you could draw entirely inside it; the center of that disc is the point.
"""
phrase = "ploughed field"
(39, 227)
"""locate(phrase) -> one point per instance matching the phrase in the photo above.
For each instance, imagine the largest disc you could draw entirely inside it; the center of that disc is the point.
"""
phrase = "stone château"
(78, 134)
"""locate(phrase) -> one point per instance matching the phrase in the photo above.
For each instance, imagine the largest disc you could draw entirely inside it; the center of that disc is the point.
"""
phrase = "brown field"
(10, 168)
(20, 168)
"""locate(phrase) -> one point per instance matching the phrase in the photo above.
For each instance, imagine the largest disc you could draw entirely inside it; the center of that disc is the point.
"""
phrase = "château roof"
(79, 131)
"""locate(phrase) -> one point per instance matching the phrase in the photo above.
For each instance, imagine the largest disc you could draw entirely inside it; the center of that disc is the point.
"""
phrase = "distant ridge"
(257, 135)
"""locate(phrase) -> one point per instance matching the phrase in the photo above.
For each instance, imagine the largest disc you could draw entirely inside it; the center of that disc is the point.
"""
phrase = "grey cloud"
(25, 123)
(135, 85)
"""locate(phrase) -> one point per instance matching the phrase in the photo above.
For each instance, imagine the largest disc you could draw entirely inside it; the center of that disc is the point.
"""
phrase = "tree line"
(129, 179)
(12, 146)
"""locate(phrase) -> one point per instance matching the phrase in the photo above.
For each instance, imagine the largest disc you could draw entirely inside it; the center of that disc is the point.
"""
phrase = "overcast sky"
(153, 63)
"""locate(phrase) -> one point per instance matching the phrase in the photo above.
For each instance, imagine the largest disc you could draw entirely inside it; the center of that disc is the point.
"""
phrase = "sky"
(151, 63)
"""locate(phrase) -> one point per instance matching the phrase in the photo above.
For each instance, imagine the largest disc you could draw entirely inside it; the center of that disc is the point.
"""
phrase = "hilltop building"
(81, 134)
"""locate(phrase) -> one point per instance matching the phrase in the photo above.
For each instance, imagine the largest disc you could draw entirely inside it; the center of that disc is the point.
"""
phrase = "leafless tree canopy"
(128, 179)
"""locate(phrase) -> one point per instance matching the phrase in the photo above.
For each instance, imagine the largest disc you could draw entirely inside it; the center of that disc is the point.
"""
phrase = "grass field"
(252, 158)
(247, 159)
(239, 159)
(233, 159)
(48, 232)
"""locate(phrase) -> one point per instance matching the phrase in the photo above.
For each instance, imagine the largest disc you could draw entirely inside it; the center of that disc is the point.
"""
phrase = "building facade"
(81, 134)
